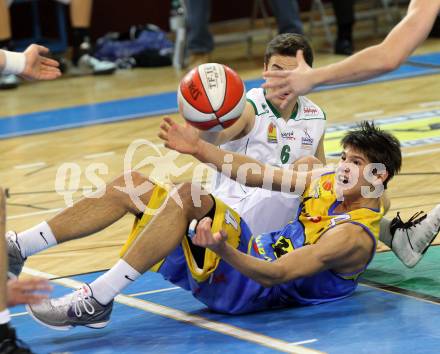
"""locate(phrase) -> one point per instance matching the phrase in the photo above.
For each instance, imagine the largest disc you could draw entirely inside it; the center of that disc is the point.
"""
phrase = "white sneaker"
(88, 65)
(8, 81)
(78, 308)
(411, 239)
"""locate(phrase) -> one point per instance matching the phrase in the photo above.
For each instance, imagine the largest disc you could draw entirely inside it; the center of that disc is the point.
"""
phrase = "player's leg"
(409, 240)
(92, 304)
(87, 216)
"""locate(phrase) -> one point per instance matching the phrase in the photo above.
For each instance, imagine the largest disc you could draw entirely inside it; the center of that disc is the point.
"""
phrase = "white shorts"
(264, 210)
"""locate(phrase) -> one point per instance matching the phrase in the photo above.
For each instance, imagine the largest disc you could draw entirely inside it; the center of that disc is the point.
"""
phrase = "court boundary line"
(251, 83)
(182, 316)
(400, 291)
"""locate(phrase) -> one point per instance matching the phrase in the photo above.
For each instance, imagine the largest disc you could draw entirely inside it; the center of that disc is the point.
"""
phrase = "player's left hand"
(38, 67)
(27, 291)
(205, 238)
(182, 138)
(295, 82)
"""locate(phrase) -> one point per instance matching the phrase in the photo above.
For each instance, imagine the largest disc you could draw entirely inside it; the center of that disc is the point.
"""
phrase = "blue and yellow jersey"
(315, 217)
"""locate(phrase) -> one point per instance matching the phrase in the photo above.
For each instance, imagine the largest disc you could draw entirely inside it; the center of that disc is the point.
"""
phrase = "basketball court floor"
(81, 125)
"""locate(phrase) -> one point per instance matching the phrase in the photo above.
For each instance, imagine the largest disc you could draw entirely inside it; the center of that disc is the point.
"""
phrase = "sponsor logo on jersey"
(264, 107)
(339, 219)
(306, 141)
(310, 111)
(288, 135)
(327, 185)
(272, 134)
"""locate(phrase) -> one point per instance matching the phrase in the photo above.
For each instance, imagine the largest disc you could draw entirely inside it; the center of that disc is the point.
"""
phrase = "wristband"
(192, 228)
(14, 62)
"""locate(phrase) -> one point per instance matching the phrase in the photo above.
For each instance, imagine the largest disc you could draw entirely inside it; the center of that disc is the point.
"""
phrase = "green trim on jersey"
(277, 113)
(253, 105)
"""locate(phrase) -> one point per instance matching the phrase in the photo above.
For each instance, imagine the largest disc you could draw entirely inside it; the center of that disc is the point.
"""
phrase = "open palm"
(182, 138)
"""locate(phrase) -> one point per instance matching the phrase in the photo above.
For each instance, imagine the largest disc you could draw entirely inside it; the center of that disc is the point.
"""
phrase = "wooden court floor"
(29, 164)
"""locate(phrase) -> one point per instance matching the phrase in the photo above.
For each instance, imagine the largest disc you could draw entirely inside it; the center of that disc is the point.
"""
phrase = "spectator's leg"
(82, 59)
(345, 18)
(287, 15)
(200, 39)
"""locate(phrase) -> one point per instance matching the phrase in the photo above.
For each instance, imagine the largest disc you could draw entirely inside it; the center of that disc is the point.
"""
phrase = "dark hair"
(288, 44)
(378, 146)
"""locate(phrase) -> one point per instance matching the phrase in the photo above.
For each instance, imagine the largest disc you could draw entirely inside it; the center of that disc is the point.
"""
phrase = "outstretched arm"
(243, 169)
(342, 249)
(240, 128)
(403, 39)
(31, 64)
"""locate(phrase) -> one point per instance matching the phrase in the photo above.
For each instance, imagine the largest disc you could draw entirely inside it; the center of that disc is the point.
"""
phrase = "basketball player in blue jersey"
(316, 258)
(410, 240)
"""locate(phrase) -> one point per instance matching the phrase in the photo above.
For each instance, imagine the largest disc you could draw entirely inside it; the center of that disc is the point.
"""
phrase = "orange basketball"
(211, 96)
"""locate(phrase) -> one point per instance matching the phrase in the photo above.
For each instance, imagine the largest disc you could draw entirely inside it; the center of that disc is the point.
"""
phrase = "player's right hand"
(182, 138)
(27, 291)
(205, 238)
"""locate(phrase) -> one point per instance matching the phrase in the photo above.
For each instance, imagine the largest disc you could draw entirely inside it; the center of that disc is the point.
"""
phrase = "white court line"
(101, 154)
(421, 152)
(429, 104)
(185, 317)
(304, 342)
(154, 291)
(19, 216)
(18, 314)
(29, 165)
(368, 114)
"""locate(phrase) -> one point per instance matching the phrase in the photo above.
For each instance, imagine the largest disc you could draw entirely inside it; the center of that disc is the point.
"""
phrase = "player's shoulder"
(309, 109)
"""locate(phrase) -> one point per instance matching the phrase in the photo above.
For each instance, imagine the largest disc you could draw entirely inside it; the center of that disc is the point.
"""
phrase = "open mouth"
(342, 179)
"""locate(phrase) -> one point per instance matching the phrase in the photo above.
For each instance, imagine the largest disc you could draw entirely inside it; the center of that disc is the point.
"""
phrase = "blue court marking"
(370, 321)
(426, 59)
(151, 105)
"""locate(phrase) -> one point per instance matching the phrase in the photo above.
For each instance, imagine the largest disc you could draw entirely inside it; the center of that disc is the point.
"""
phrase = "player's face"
(352, 173)
(280, 62)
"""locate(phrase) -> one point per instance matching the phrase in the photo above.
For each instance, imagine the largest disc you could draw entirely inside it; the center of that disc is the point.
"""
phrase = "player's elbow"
(276, 276)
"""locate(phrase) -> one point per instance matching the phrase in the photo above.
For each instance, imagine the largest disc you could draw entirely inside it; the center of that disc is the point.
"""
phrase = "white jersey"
(277, 142)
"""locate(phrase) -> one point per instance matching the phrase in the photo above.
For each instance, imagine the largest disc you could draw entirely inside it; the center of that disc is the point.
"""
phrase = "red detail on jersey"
(315, 219)
(255, 247)
(327, 185)
(310, 110)
(194, 93)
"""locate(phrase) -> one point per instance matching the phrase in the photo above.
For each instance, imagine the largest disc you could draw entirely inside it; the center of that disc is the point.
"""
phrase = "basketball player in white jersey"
(272, 135)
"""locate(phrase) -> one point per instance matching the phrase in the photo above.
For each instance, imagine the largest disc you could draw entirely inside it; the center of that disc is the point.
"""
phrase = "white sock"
(112, 282)
(4, 317)
(36, 239)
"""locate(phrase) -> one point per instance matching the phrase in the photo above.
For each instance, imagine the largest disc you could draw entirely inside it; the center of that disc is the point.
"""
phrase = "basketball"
(211, 97)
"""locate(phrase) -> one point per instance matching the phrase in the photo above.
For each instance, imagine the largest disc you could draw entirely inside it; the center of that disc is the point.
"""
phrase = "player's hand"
(27, 291)
(39, 67)
(182, 138)
(205, 238)
(295, 82)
